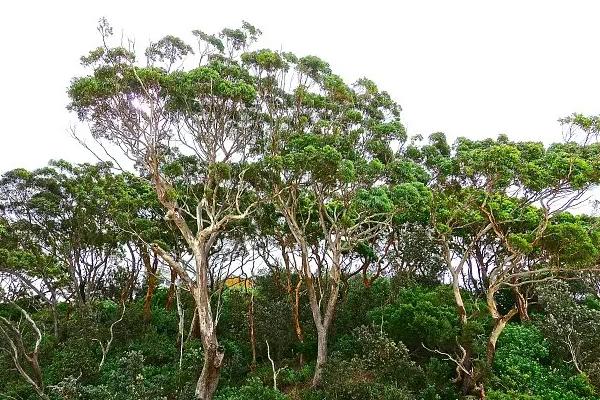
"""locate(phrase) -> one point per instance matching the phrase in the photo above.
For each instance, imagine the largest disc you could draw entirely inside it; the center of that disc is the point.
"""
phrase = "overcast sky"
(467, 68)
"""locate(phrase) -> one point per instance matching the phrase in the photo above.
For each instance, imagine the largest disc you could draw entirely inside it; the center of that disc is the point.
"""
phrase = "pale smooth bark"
(500, 322)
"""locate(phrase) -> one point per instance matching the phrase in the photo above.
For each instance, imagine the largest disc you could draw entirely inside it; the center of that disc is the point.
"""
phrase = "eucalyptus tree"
(542, 182)
(23, 256)
(451, 211)
(29, 270)
(409, 250)
(326, 146)
(154, 110)
(67, 237)
(495, 201)
(459, 231)
(584, 129)
(138, 219)
(272, 241)
(61, 214)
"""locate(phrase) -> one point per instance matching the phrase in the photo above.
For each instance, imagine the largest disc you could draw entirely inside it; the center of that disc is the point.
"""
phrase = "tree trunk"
(321, 356)
(213, 353)
(251, 332)
(460, 305)
(481, 391)
(466, 381)
(322, 320)
(37, 372)
(366, 281)
(323, 323)
(53, 307)
(152, 281)
(296, 317)
(211, 370)
(171, 292)
(55, 320)
(521, 303)
(500, 322)
(127, 289)
(75, 285)
(194, 332)
(499, 326)
(294, 302)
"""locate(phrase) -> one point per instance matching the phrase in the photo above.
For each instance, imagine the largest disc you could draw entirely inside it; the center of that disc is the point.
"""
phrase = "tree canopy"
(259, 228)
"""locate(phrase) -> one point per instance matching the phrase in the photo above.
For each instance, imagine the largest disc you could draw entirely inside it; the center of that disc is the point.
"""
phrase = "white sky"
(472, 68)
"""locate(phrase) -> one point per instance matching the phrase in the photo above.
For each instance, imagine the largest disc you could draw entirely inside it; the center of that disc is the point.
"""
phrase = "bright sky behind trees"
(467, 68)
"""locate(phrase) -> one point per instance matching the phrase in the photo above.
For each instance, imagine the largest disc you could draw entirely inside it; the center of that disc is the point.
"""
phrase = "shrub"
(252, 390)
(369, 365)
(524, 371)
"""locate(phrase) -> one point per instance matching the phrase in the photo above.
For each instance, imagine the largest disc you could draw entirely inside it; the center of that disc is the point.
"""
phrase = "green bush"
(252, 390)
(524, 370)
(420, 315)
(369, 365)
(290, 376)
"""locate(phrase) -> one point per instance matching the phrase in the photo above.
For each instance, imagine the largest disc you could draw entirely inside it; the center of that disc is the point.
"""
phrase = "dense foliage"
(278, 235)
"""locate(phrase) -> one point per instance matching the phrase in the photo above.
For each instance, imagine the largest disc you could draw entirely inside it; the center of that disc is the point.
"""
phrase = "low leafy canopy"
(524, 369)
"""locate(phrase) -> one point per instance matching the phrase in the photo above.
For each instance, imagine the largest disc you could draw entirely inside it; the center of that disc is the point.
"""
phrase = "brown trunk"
(466, 380)
(296, 317)
(127, 289)
(454, 273)
(521, 303)
(294, 301)
(75, 284)
(482, 269)
(171, 292)
(37, 371)
(366, 281)
(251, 332)
(194, 328)
(151, 269)
(499, 326)
(481, 392)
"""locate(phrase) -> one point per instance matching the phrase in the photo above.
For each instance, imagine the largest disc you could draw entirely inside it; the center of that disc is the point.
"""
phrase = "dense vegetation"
(275, 233)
